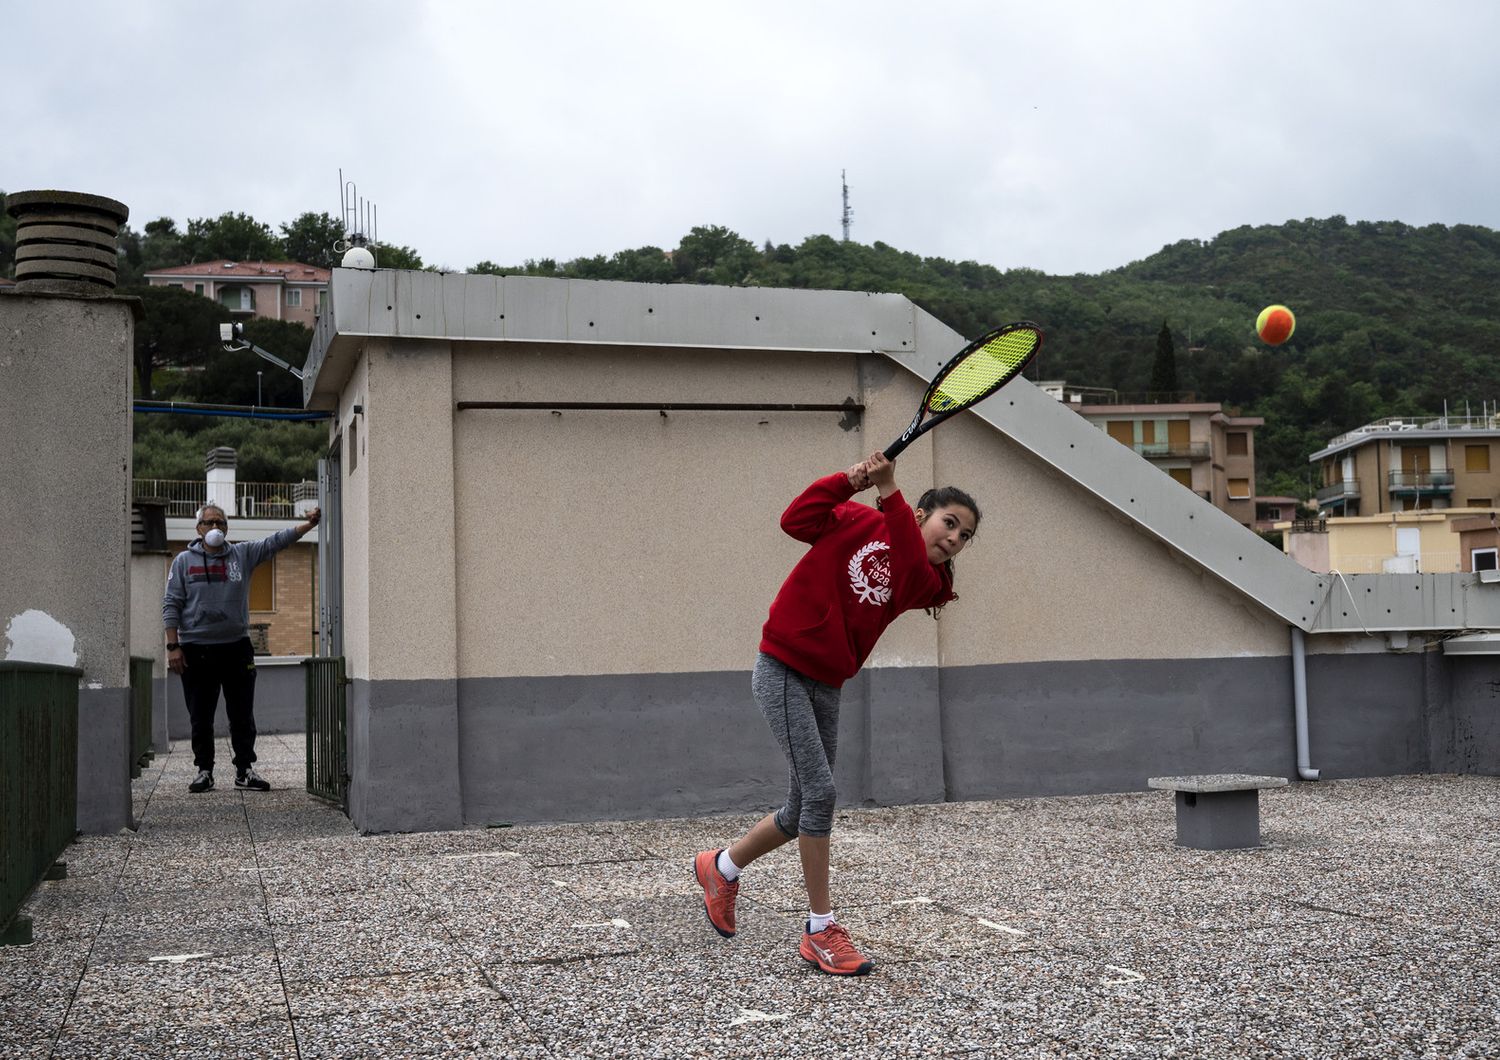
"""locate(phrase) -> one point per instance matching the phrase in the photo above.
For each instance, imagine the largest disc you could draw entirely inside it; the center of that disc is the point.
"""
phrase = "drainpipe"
(1299, 698)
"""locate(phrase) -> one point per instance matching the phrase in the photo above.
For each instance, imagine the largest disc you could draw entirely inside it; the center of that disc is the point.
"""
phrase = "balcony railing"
(1177, 450)
(252, 500)
(1420, 481)
(1399, 424)
(1385, 563)
(1347, 489)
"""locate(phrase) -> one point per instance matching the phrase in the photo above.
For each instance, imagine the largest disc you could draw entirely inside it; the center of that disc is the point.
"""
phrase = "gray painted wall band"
(403, 756)
(630, 746)
(280, 703)
(104, 720)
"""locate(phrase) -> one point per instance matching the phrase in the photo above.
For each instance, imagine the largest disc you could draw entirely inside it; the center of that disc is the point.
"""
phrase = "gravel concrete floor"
(262, 925)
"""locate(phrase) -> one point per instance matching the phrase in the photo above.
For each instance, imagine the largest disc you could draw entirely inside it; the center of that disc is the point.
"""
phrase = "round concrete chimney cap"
(67, 242)
(27, 202)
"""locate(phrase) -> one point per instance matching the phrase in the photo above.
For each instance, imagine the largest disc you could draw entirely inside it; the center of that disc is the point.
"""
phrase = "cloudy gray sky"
(1067, 137)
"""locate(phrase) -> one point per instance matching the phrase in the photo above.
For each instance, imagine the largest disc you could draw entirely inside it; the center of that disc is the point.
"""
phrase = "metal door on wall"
(330, 556)
(327, 712)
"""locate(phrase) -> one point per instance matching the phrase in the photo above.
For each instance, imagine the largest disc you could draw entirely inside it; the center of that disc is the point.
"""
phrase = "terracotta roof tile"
(288, 271)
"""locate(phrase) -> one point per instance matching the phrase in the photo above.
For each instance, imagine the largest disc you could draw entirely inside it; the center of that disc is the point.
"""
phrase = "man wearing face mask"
(206, 611)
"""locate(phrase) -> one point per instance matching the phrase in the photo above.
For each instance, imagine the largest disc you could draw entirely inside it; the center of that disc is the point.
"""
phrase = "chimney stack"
(67, 242)
(219, 464)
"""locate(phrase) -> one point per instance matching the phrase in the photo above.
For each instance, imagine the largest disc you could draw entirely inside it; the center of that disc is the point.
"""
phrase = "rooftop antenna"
(360, 227)
(848, 213)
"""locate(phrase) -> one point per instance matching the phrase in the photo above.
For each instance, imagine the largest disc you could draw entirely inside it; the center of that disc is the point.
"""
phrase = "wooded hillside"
(1391, 319)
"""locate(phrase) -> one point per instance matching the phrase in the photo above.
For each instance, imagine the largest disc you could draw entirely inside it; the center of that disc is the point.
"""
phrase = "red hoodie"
(865, 568)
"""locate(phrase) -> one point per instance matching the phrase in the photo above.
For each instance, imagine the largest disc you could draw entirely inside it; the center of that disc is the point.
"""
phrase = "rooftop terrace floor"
(262, 924)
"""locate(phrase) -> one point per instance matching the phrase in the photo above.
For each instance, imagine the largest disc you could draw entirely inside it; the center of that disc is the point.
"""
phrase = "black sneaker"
(205, 781)
(249, 778)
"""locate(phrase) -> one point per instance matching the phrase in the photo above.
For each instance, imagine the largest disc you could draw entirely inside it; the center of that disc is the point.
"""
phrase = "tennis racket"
(975, 372)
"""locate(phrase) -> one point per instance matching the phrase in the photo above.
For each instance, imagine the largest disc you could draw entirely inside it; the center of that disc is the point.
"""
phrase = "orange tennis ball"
(1275, 324)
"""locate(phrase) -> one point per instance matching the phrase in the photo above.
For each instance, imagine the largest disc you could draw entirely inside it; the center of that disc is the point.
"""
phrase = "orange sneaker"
(718, 893)
(833, 952)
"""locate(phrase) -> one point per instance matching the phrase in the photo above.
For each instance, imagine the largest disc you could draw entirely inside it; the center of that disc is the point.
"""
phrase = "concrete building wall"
(1370, 470)
(1308, 549)
(148, 575)
(552, 613)
(616, 567)
(1465, 707)
(403, 707)
(65, 521)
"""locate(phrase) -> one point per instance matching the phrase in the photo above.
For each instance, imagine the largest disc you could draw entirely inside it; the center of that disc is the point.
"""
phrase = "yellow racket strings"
(978, 373)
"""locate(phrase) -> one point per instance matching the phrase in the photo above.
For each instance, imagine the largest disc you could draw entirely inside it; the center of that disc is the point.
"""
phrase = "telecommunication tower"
(848, 213)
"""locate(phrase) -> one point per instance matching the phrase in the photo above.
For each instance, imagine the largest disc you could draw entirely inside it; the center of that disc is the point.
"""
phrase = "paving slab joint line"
(484, 973)
(265, 908)
(1338, 912)
(592, 861)
(88, 957)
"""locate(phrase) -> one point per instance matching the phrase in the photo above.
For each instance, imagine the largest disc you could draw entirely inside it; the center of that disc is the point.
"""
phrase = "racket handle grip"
(896, 448)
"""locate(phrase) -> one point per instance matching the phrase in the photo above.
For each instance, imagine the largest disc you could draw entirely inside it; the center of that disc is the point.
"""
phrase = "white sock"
(727, 868)
(817, 922)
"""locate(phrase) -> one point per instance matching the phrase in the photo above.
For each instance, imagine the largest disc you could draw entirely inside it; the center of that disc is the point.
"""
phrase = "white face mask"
(214, 538)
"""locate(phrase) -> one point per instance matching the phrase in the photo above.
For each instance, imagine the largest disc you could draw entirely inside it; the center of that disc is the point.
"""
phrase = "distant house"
(1196, 443)
(276, 290)
(1271, 510)
(1415, 541)
(1404, 464)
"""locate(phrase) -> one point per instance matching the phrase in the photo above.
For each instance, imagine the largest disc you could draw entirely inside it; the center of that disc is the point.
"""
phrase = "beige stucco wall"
(65, 476)
(1358, 546)
(502, 543)
(408, 454)
(354, 500)
(1052, 575)
(628, 542)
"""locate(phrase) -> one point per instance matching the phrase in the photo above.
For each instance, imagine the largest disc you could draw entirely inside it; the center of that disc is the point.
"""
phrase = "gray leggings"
(804, 718)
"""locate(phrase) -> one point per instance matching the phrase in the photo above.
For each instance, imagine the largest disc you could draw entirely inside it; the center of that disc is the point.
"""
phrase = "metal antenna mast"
(848, 213)
(361, 227)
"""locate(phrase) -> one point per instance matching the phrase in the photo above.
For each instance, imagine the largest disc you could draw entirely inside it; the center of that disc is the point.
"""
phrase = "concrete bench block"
(1219, 811)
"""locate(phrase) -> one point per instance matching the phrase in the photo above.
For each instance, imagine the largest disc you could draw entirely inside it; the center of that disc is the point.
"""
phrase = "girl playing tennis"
(865, 567)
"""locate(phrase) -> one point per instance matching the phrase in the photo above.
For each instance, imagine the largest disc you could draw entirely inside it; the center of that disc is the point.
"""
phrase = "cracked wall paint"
(35, 636)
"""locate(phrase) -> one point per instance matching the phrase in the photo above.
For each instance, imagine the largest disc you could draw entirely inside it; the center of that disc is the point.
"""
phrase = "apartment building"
(277, 290)
(1424, 541)
(1404, 464)
(1198, 444)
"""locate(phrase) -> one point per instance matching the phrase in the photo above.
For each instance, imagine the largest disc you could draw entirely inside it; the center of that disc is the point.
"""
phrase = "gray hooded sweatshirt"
(208, 596)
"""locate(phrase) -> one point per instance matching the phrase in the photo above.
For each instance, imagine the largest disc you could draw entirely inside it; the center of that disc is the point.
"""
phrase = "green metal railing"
(141, 672)
(38, 781)
(327, 747)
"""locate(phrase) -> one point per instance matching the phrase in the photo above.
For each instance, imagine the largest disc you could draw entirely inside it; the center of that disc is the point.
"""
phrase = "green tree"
(1164, 367)
(310, 238)
(713, 254)
(643, 265)
(233, 237)
(7, 241)
(178, 329)
(162, 246)
(173, 445)
(388, 256)
(244, 377)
